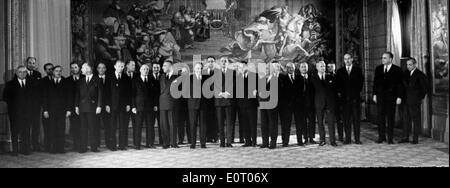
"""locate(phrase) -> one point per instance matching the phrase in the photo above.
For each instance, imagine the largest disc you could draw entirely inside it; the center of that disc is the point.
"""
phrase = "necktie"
(87, 80)
(145, 80)
(348, 70)
(304, 83)
(385, 69)
(22, 84)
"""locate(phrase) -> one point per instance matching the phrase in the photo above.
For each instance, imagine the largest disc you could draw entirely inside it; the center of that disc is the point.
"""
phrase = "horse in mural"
(276, 34)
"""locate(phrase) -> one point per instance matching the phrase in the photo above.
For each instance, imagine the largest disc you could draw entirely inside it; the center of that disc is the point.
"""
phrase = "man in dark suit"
(290, 105)
(130, 74)
(119, 88)
(197, 107)
(56, 108)
(269, 114)
(74, 118)
(143, 107)
(48, 68)
(387, 93)
(16, 94)
(415, 90)
(212, 127)
(223, 88)
(325, 101)
(88, 104)
(338, 112)
(35, 107)
(349, 85)
(246, 91)
(154, 79)
(105, 116)
(307, 114)
(167, 107)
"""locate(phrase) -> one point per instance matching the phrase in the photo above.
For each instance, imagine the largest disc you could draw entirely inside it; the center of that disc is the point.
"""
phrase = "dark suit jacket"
(209, 102)
(247, 101)
(37, 97)
(415, 87)
(220, 101)
(350, 87)
(156, 89)
(166, 101)
(56, 96)
(194, 102)
(120, 92)
(324, 91)
(89, 95)
(306, 92)
(72, 86)
(291, 91)
(18, 99)
(106, 91)
(143, 95)
(388, 86)
(35, 77)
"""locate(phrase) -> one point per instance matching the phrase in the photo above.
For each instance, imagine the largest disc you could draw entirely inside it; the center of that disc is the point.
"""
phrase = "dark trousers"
(149, 119)
(352, 111)
(212, 127)
(329, 112)
(286, 122)
(197, 118)
(160, 141)
(46, 124)
(119, 119)
(269, 126)
(340, 120)
(413, 119)
(20, 128)
(183, 125)
(75, 130)
(224, 113)
(310, 123)
(89, 131)
(57, 130)
(35, 123)
(168, 131)
(129, 117)
(386, 110)
(248, 122)
(110, 138)
(235, 114)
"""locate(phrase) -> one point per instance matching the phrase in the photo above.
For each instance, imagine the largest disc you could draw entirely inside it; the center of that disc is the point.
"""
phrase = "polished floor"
(428, 153)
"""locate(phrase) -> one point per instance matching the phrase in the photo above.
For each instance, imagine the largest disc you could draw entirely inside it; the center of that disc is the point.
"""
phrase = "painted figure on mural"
(276, 34)
(439, 31)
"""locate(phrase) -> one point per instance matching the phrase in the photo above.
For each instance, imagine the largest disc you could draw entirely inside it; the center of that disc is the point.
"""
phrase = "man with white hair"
(325, 101)
(16, 94)
(88, 102)
(143, 106)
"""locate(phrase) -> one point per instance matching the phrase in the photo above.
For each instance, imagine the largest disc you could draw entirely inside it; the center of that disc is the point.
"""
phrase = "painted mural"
(439, 42)
(278, 35)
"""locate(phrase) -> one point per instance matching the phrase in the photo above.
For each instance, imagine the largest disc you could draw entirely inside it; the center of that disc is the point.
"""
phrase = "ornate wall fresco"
(439, 44)
(276, 34)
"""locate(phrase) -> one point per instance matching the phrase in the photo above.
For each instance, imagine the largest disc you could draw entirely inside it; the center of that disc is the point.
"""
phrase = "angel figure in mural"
(259, 38)
(276, 34)
(295, 39)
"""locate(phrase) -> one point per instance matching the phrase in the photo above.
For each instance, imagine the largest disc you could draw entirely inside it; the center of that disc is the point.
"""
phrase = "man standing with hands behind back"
(416, 89)
(387, 93)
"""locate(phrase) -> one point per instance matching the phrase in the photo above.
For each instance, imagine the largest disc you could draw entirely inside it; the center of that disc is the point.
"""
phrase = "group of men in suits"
(218, 93)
